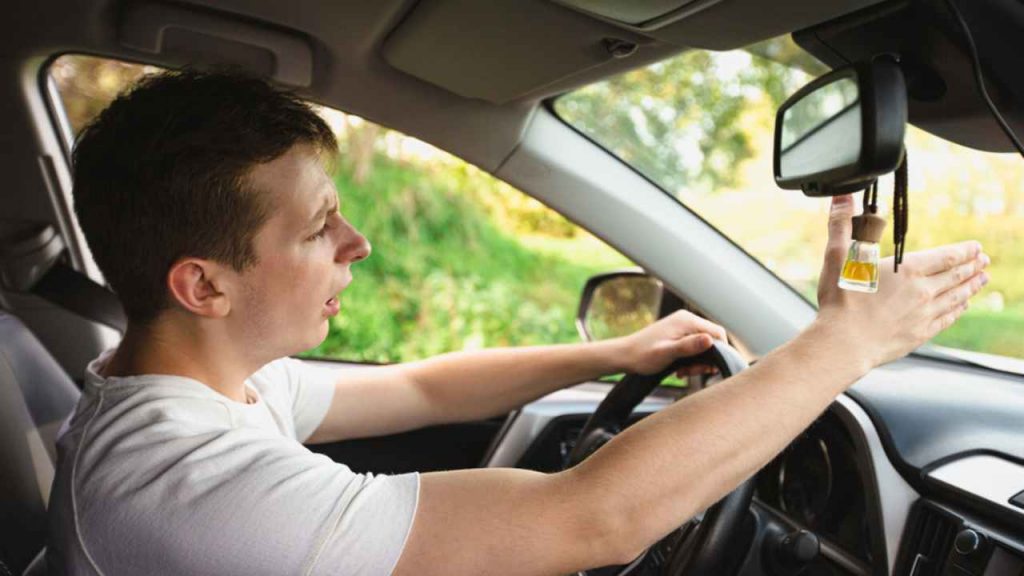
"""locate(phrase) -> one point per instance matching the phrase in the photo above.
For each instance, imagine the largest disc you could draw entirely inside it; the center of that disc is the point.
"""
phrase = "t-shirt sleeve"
(248, 503)
(311, 388)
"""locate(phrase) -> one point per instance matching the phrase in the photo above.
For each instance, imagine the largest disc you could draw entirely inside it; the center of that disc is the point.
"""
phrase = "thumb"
(693, 344)
(840, 228)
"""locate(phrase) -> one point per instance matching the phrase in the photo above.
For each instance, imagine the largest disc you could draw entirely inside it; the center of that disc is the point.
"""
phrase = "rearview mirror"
(842, 131)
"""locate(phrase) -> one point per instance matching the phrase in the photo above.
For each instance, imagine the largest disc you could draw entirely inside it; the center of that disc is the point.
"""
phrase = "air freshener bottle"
(860, 271)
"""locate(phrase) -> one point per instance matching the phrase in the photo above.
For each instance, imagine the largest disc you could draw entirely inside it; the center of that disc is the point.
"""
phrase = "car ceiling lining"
(462, 82)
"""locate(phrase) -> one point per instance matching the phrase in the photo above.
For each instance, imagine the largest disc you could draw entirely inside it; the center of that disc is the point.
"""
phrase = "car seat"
(36, 395)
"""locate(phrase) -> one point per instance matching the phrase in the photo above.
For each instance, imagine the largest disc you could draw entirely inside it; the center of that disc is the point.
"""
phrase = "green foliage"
(987, 331)
(444, 276)
(679, 121)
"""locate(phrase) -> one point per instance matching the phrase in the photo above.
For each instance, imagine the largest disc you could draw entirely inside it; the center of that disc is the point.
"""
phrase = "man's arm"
(664, 469)
(465, 386)
(638, 487)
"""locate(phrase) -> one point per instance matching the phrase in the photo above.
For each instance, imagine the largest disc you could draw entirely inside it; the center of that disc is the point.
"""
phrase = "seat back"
(35, 397)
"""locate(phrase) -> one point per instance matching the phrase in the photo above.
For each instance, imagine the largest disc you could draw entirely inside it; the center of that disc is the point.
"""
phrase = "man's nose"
(354, 247)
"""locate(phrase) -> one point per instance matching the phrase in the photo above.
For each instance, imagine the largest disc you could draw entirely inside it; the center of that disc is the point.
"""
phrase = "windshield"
(701, 124)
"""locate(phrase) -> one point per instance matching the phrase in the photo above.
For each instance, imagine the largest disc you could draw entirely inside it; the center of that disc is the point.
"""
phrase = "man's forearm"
(689, 454)
(463, 386)
(458, 387)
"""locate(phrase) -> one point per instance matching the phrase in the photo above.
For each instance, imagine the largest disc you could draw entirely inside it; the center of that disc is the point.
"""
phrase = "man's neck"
(177, 348)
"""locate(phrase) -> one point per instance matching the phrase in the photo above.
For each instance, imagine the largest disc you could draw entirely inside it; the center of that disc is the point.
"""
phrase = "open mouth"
(332, 306)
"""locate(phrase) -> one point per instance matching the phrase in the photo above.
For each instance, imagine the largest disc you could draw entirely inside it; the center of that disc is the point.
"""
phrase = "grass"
(988, 331)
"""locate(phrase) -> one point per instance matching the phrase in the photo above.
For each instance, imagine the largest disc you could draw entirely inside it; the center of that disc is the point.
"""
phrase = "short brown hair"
(160, 174)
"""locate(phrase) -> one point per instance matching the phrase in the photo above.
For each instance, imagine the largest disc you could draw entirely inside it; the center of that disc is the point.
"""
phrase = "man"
(206, 204)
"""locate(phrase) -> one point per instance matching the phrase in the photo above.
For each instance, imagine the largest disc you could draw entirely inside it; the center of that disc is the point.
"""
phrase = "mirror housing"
(843, 130)
(618, 303)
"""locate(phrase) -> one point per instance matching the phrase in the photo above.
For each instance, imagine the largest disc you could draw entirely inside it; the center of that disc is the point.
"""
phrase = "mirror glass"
(622, 305)
(822, 130)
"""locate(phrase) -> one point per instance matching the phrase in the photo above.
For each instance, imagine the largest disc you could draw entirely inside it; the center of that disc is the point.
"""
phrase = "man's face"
(304, 252)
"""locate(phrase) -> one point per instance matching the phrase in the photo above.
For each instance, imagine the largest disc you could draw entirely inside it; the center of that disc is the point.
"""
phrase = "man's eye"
(320, 233)
(327, 224)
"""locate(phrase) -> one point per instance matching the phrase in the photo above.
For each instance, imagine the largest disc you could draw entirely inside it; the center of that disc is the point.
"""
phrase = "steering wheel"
(708, 552)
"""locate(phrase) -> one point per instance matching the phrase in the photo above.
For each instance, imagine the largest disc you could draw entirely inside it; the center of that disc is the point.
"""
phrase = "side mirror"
(617, 304)
(842, 131)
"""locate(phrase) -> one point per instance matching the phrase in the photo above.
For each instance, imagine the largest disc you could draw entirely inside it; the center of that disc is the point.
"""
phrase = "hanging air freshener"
(860, 271)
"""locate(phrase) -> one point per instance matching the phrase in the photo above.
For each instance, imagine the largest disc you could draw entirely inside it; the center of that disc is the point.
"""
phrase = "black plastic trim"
(883, 101)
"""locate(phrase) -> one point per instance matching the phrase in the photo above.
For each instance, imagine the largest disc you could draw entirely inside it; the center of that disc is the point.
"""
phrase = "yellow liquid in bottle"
(865, 272)
(860, 270)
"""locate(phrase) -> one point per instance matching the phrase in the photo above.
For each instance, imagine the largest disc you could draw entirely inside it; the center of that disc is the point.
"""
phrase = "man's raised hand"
(928, 294)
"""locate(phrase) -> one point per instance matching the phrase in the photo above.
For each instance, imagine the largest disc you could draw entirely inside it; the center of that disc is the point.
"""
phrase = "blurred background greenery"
(461, 260)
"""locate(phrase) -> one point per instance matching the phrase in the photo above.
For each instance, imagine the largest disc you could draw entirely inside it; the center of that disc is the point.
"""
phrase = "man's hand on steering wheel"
(678, 335)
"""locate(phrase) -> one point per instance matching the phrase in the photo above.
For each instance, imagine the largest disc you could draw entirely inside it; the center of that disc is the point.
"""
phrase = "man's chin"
(323, 330)
(315, 339)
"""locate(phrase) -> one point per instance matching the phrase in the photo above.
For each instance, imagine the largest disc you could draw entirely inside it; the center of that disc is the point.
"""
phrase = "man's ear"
(195, 285)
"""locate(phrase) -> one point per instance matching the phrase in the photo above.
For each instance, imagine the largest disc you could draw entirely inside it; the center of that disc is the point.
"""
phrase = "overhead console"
(942, 91)
(506, 50)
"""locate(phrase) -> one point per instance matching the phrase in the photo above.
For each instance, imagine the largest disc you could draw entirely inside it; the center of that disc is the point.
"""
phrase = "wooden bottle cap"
(868, 227)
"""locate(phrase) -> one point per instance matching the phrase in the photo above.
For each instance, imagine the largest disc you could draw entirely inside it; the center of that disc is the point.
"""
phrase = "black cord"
(976, 64)
(900, 212)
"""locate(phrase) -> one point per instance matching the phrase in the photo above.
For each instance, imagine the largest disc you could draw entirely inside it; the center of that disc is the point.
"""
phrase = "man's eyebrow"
(327, 207)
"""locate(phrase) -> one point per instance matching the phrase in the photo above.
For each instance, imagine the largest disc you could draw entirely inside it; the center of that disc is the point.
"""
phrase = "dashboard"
(818, 485)
(917, 471)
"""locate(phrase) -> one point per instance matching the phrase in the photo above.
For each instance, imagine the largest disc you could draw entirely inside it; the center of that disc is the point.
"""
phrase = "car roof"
(463, 75)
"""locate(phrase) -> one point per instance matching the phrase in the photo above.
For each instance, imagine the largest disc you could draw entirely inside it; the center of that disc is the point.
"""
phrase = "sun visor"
(504, 50)
(500, 50)
(190, 35)
(643, 13)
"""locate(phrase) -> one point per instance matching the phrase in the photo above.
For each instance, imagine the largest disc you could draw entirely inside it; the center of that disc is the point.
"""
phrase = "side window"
(460, 259)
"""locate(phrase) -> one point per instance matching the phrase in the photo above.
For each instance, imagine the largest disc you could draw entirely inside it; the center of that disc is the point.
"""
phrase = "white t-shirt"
(161, 474)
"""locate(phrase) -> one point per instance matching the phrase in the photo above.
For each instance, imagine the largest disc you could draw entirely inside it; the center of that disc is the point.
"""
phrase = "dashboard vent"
(927, 541)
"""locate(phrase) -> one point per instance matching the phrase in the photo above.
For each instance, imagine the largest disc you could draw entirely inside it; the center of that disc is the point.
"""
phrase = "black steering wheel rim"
(709, 552)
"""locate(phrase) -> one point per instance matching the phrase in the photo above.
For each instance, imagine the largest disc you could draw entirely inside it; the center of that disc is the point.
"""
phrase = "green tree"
(679, 121)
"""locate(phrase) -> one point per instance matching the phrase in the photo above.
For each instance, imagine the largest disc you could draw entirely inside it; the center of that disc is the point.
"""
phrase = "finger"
(958, 274)
(957, 296)
(840, 229)
(946, 320)
(694, 323)
(715, 330)
(693, 344)
(943, 258)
